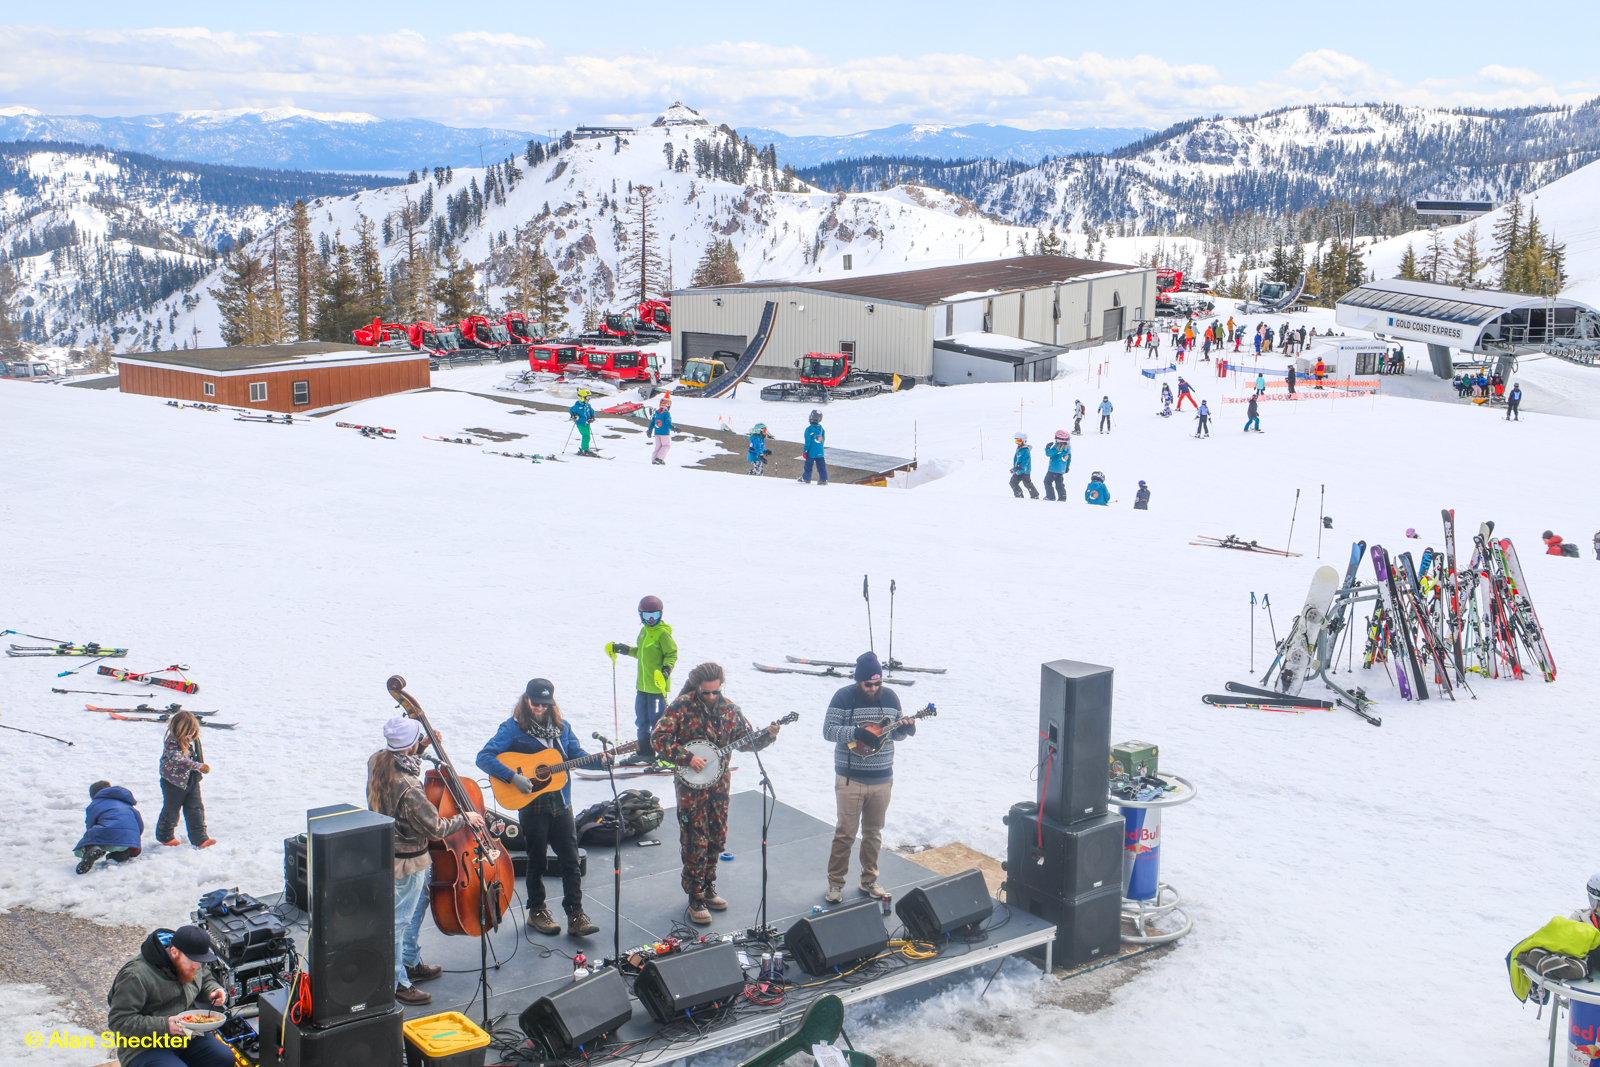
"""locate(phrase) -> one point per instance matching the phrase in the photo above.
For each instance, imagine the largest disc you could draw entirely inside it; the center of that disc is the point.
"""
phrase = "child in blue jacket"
(112, 827)
(1022, 468)
(815, 441)
(758, 449)
(1060, 454)
(1097, 493)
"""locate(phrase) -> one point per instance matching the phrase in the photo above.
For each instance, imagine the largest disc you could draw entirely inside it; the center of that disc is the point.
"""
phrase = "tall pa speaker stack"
(354, 1021)
(1064, 854)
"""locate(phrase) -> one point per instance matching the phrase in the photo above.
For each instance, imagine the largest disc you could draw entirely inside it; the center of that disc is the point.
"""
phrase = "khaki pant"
(863, 805)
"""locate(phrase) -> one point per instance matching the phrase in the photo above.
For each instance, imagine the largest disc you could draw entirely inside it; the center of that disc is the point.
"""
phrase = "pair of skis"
(1255, 698)
(145, 713)
(182, 685)
(1241, 545)
(832, 669)
(91, 649)
(524, 455)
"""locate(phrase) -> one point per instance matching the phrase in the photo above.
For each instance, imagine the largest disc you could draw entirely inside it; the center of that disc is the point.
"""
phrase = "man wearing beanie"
(150, 993)
(861, 782)
(394, 788)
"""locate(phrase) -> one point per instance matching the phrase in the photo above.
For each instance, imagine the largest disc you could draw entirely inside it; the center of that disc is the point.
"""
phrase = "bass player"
(702, 713)
(861, 782)
(536, 724)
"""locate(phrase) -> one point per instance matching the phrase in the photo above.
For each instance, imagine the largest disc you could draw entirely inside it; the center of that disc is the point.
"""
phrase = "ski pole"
(1266, 602)
(80, 667)
(865, 595)
(568, 441)
(35, 733)
(1292, 517)
(1322, 496)
(890, 664)
(1252, 633)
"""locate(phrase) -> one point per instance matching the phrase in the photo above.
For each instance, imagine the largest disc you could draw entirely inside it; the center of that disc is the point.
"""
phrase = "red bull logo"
(1141, 839)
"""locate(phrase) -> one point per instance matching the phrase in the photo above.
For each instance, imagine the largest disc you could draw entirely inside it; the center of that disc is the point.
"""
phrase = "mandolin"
(883, 726)
(545, 769)
(716, 758)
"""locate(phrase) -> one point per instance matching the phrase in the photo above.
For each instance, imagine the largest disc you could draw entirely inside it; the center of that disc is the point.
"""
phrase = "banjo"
(717, 758)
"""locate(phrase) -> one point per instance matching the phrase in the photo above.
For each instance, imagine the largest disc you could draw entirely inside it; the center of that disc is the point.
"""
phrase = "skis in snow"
(828, 672)
(1406, 670)
(1528, 626)
(1236, 543)
(91, 650)
(284, 420)
(149, 678)
(167, 717)
(146, 709)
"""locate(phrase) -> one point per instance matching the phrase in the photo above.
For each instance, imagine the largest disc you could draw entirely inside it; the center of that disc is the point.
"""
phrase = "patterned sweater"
(850, 708)
(177, 762)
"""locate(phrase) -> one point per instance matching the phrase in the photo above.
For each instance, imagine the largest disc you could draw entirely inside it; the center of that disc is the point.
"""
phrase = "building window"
(847, 262)
(302, 392)
(258, 392)
(210, 388)
(849, 349)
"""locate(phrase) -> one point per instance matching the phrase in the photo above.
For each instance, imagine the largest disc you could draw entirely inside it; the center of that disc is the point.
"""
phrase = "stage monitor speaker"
(350, 952)
(671, 987)
(834, 938)
(370, 1041)
(1088, 928)
(1068, 861)
(950, 905)
(569, 1019)
(295, 876)
(1074, 740)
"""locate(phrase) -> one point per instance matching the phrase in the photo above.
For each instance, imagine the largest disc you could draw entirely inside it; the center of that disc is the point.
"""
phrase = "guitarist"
(702, 713)
(861, 783)
(535, 725)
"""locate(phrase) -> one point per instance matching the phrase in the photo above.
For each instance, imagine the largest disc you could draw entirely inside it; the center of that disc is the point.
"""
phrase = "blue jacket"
(1097, 493)
(111, 820)
(1022, 462)
(661, 423)
(1105, 407)
(513, 738)
(758, 447)
(814, 436)
(1060, 453)
(582, 412)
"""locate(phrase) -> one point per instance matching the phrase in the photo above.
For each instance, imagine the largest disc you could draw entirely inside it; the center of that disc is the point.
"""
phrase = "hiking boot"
(873, 889)
(578, 924)
(411, 996)
(698, 913)
(423, 972)
(91, 856)
(541, 921)
(709, 898)
(834, 894)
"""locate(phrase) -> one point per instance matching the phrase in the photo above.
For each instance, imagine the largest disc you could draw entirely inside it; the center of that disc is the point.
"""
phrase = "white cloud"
(517, 81)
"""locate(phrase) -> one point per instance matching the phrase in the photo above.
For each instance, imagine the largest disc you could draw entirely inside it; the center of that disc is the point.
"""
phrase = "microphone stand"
(769, 807)
(616, 869)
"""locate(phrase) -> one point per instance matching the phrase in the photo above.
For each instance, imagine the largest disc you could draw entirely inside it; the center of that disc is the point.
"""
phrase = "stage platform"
(653, 901)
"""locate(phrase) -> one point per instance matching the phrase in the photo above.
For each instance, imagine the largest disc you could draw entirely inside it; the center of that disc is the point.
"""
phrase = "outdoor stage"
(653, 900)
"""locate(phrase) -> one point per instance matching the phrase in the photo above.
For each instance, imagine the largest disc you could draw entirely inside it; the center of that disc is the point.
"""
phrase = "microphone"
(600, 737)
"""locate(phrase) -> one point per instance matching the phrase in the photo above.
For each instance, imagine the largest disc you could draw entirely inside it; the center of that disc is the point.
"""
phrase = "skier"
(1141, 499)
(1097, 493)
(1152, 345)
(1261, 383)
(1105, 414)
(1059, 453)
(1203, 421)
(1253, 421)
(582, 414)
(1185, 392)
(1597, 545)
(1166, 400)
(1291, 379)
(657, 654)
(814, 450)
(1022, 468)
(661, 431)
(758, 449)
(1320, 372)
(1077, 416)
(1514, 403)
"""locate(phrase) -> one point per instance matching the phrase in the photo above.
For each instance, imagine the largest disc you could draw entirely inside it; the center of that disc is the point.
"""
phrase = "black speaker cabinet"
(1068, 861)
(552, 863)
(1088, 928)
(370, 1041)
(576, 1015)
(1074, 740)
(671, 987)
(951, 904)
(350, 952)
(838, 937)
(294, 872)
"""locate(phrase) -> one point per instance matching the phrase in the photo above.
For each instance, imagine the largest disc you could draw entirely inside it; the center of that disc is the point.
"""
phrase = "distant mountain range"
(978, 141)
(285, 138)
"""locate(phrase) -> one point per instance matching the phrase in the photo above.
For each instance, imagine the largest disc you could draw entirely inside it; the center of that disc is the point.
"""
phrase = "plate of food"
(201, 1020)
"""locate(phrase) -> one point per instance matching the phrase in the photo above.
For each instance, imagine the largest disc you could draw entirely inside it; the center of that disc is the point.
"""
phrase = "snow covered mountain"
(977, 141)
(283, 137)
(1288, 160)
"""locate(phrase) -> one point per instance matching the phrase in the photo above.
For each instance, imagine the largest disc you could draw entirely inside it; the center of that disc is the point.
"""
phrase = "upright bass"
(473, 879)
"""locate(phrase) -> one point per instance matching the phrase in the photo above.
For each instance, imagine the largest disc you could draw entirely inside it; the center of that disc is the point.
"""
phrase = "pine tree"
(12, 346)
(304, 270)
(413, 301)
(1408, 264)
(1466, 261)
(1436, 259)
(536, 285)
(457, 290)
(369, 270)
(719, 265)
(245, 300)
(1050, 245)
(1507, 249)
(341, 308)
(641, 267)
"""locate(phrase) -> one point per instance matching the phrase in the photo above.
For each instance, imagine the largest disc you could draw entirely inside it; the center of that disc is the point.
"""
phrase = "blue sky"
(822, 67)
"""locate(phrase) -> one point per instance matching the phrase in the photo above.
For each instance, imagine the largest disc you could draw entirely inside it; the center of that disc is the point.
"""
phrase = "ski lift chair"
(823, 1023)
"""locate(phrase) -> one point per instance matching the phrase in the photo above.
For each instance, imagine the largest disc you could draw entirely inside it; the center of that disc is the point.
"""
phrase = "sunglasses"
(872, 685)
(710, 692)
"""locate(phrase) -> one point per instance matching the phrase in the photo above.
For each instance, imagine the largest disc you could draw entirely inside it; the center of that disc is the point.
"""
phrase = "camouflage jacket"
(688, 719)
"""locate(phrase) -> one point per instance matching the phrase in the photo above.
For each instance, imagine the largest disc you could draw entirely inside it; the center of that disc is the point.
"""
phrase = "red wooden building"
(307, 376)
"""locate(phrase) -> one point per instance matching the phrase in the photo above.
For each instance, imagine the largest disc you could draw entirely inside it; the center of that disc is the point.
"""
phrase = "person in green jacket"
(150, 993)
(657, 654)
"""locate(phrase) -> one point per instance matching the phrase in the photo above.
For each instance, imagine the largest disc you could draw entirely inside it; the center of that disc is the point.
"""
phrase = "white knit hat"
(401, 733)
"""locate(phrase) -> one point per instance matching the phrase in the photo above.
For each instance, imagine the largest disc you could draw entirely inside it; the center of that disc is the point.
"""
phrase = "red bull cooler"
(1141, 853)
(1583, 1034)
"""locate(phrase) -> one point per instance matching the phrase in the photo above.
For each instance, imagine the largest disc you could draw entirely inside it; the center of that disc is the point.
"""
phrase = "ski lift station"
(1484, 322)
(889, 322)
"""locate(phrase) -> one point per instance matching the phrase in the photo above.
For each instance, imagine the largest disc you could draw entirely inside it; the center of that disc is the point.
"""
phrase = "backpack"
(598, 825)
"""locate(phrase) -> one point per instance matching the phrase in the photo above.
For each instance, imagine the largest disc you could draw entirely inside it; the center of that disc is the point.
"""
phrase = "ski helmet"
(1141, 483)
(1096, 476)
(583, 393)
(1594, 892)
(1061, 435)
(1410, 532)
(650, 603)
(759, 427)
(816, 416)
(1021, 437)
(1546, 535)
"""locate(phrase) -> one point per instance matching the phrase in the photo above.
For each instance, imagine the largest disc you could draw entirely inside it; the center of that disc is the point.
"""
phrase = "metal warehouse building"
(889, 322)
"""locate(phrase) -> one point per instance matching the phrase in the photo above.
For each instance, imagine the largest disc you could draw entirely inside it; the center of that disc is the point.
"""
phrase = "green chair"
(823, 1023)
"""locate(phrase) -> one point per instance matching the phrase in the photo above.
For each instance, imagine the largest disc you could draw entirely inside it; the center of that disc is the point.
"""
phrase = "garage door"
(704, 345)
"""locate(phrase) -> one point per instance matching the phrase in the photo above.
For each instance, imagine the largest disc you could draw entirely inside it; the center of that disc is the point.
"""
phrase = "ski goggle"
(649, 618)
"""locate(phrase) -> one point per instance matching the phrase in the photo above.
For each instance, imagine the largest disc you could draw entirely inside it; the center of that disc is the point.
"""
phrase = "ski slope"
(1355, 889)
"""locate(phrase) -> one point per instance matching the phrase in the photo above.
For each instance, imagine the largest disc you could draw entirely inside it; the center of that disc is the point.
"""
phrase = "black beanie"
(868, 667)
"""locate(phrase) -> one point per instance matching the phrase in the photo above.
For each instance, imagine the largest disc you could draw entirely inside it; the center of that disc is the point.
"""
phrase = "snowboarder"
(661, 431)
(1059, 453)
(1141, 499)
(758, 449)
(1077, 416)
(1514, 403)
(1166, 400)
(1105, 414)
(1203, 421)
(1253, 420)
(657, 654)
(1022, 468)
(582, 414)
(1185, 392)
(814, 450)
(1097, 493)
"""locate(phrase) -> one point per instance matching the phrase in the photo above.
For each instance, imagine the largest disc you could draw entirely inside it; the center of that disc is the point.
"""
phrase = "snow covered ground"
(1355, 889)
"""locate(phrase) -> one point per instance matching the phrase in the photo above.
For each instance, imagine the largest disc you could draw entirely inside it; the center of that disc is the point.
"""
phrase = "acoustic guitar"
(545, 769)
(717, 757)
(885, 725)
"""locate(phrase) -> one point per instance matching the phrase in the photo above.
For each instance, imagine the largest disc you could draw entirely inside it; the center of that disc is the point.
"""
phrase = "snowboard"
(1302, 655)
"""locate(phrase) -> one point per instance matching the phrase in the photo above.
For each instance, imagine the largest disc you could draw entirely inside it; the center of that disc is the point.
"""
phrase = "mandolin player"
(863, 775)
